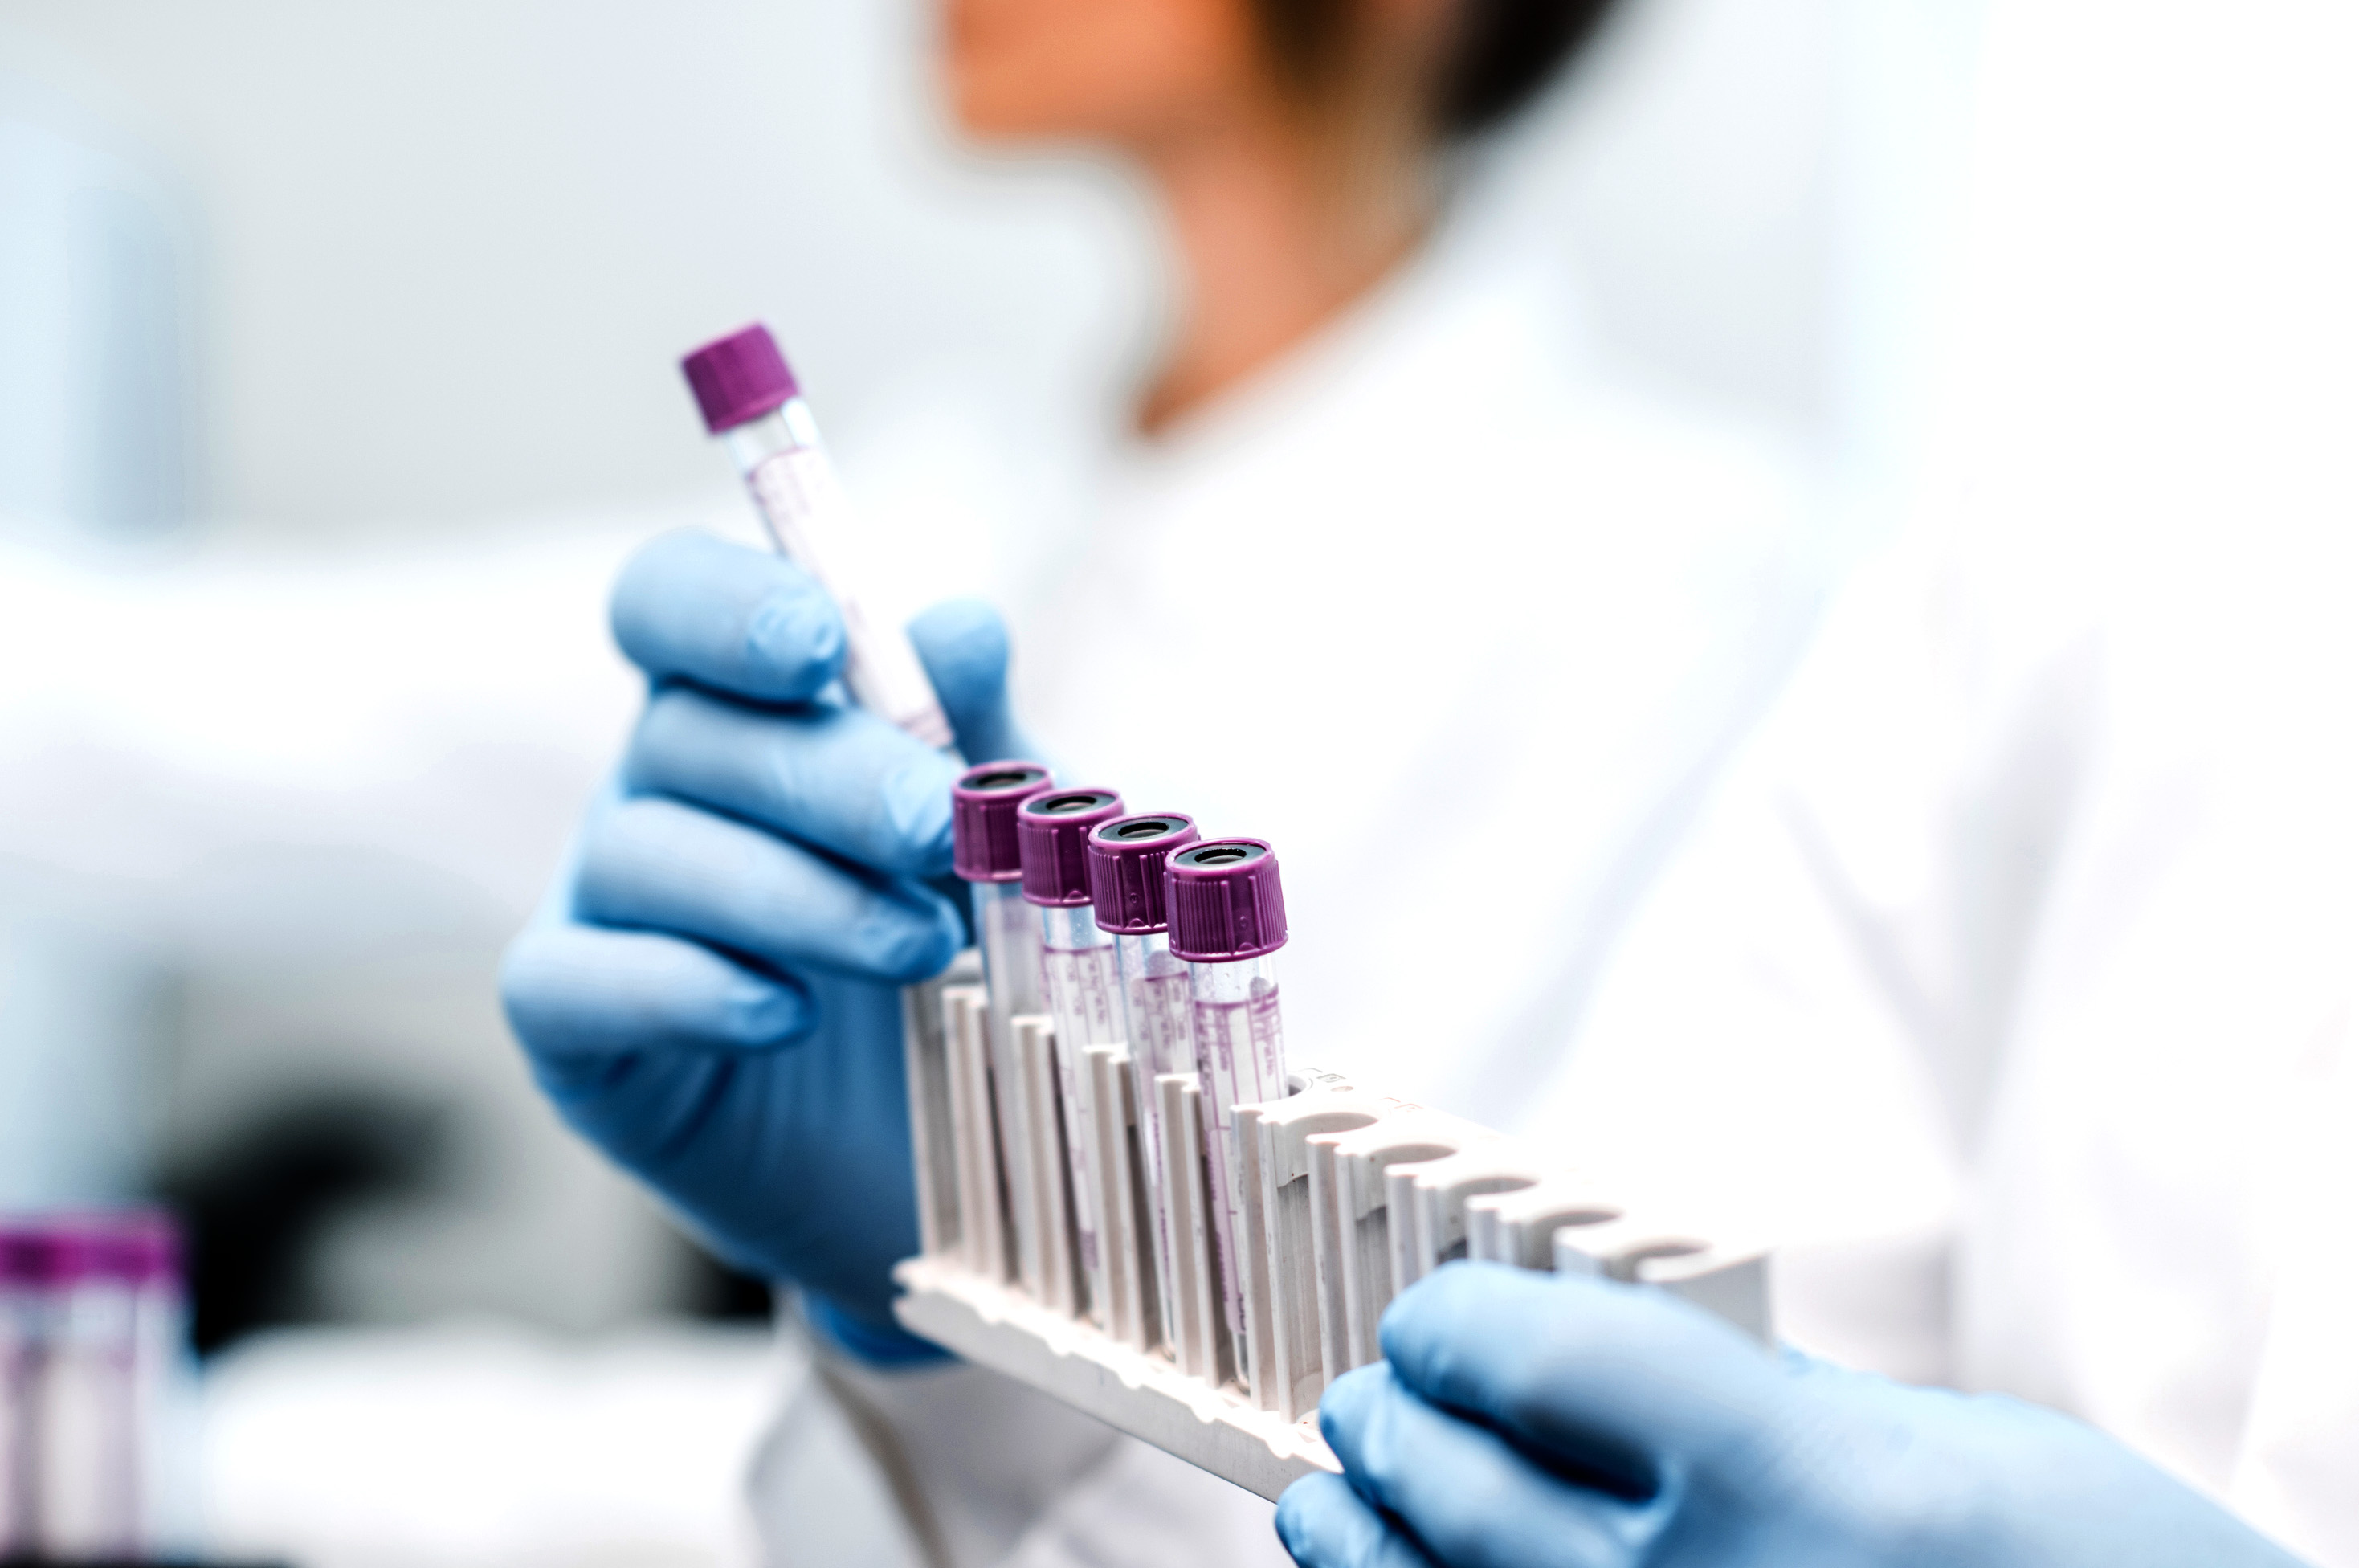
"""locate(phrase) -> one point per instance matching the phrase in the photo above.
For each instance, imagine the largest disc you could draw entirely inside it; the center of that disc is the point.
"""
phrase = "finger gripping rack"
(1348, 1197)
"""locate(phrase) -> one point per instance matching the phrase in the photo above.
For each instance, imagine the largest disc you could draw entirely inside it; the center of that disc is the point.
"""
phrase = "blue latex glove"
(1524, 1420)
(711, 994)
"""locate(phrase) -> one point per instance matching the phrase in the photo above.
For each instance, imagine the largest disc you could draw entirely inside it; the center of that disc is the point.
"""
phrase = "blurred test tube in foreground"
(90, 1346)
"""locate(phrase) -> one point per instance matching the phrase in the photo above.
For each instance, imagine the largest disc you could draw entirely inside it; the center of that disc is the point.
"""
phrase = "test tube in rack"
(985, 854)
(1297, 1203)
(1228, 921)
(1083, 990)
(1126, 857)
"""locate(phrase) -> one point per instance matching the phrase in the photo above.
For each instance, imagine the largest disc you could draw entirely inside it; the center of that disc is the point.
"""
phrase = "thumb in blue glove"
(1525, 1421)
(710, 992)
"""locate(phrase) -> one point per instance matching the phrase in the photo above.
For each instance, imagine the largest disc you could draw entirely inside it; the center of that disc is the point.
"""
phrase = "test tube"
(1228, 921)
(25, 1270)
(985, 854)
(86, 1445)
(750, 399)
(1082, 983)
(1126, 858)
(146, 1245)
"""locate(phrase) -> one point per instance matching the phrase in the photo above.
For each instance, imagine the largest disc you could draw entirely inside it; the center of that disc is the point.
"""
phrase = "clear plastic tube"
(1240, 1059)
(89, 1442)
(1156, 1009)
(1008, 929)
(163, 1378)
(93, 1390)
(1084, 994)
(23, 1305)
(811, 521)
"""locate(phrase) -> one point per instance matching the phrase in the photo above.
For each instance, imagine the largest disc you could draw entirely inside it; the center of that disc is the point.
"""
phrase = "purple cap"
(136, 1246)
(1126, 858)
(982, 819)
(1224, 900)
(742, 376)
(28, 1255)
(1052, 831)
(51, 1256)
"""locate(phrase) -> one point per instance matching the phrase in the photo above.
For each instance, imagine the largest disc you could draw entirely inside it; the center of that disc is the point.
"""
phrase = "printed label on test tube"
(1228, 921)
(1082, 985)
(749, 398)
(1126, 857)
(985, 854)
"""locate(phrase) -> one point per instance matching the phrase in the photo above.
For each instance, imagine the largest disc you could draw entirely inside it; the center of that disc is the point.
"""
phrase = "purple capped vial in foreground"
(750, 400)
(1225, 902)
(1228, 921)
(90, 1339)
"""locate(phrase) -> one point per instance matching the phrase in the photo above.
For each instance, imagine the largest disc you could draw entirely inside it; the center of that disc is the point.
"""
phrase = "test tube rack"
(1349, 1196)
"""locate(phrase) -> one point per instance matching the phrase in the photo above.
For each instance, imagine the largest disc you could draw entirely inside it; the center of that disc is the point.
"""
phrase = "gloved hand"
(710, 992)
(1526, 1421)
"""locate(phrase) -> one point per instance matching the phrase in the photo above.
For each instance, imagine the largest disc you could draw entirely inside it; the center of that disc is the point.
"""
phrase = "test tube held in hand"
(750, 399)
(985, 854)
(1081, 982)
(1126, 857)
(1228, 921)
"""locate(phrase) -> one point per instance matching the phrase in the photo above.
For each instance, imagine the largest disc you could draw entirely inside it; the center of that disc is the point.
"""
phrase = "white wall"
(450, 248)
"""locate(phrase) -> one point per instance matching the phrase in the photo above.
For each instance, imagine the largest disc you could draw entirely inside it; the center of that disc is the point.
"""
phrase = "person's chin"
(987, 119)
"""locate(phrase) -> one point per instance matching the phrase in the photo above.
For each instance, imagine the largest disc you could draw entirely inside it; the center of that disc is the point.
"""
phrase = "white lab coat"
(2011, 975)
(2010, 983)
(1464, 631)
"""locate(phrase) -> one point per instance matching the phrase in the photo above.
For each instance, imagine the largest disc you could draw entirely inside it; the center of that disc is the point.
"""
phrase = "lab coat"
(2010, 975)
(2009, 984)
(1464, 630)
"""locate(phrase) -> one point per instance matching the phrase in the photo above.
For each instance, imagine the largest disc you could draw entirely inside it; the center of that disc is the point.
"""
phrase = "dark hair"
(1504, 53)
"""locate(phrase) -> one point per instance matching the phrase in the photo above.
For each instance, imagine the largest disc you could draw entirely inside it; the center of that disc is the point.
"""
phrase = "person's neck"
(1278, 233)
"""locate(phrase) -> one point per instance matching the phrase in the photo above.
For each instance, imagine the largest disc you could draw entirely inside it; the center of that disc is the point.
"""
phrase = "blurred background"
(394, 295)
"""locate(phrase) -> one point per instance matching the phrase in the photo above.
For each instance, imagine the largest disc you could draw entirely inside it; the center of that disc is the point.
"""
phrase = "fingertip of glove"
(579, 992)
(754, 1014)
(1324, 1522)
(793, 641)
(921, 945)
(1302, 1507)
(694, 607)
(917, 797)
(1349, 1398)
(963, 644)
(529, 972)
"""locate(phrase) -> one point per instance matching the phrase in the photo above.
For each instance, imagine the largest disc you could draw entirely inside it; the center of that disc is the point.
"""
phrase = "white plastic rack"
(1348, 1197)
